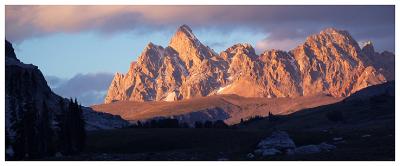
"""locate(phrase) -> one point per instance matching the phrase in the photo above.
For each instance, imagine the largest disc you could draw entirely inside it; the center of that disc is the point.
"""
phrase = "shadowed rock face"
(9, 51)
(329, 62)
(24, 83)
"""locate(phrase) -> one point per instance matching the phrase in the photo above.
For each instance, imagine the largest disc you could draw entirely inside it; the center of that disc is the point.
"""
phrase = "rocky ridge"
(329, 62)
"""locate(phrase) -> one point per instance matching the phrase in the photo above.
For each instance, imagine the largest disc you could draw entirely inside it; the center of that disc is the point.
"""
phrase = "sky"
(92, 42)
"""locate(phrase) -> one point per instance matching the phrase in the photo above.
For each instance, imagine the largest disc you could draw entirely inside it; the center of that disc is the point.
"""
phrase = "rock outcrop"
(24, 83)
(279, 143)
(329, 62)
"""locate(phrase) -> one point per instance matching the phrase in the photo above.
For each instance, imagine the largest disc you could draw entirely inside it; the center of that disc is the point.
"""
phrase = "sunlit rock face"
(329, 62)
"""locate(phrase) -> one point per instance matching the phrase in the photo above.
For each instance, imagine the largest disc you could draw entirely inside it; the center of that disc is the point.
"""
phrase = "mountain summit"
(329, 62)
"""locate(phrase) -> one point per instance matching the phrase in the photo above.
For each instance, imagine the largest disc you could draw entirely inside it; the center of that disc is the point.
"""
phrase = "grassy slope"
(237, 107)
(372, 116)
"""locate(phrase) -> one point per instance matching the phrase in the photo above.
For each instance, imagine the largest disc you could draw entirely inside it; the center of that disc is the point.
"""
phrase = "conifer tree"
(19, 134)
(28, 120)
(45, 132)
(81, 128)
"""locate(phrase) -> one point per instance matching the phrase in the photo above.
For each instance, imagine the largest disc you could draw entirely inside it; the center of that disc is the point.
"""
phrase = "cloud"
(281, 22)
(54, 81)
(89, 89)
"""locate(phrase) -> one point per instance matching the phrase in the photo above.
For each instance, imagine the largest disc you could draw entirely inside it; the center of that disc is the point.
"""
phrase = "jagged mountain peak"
(239, 49)
(150, 46)
(368, 48)
(151, 51)
(331, 30)
(328, 62)
(242, 46)
(332, 42)
(332, 34)
(184, 32)
(366, 43)
(189, 49)
(185, 28)
(272, 50)
(273, 53)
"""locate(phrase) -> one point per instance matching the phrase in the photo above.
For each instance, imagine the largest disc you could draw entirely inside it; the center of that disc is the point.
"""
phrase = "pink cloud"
(282, 22)
(27, 21)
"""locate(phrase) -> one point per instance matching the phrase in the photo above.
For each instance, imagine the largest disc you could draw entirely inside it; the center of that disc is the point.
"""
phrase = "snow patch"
(364, 43)
(222, 88)
(171, 96)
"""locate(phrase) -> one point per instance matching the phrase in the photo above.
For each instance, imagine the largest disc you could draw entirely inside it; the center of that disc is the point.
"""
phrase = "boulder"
(279, 140)
(280, 143)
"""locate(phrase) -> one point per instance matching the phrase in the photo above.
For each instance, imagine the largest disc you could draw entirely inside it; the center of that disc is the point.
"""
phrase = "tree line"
(39, 131)
(175, 123)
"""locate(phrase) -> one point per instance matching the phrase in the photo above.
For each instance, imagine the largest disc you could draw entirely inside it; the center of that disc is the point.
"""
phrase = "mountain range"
(330, 62)
(189, 81)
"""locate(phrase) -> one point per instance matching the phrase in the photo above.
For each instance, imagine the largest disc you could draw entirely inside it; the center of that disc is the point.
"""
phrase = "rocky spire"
(368, 48)
(189, 48)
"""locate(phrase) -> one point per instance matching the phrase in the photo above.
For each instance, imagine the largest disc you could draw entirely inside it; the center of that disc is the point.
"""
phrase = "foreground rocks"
(279, 143)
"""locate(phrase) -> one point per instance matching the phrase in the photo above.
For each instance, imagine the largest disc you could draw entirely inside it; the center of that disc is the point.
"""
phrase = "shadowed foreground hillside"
(364, 124)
